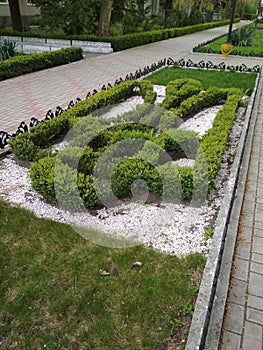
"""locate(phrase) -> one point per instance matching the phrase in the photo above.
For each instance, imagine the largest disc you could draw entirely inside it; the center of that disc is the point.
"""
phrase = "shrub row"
(19, 65)
(25, 145)
(146, 158)
(127, 41)
(213, 143)
(191, 105)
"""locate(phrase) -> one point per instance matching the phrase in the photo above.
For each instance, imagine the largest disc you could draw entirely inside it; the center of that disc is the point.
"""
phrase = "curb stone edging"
(207, 293)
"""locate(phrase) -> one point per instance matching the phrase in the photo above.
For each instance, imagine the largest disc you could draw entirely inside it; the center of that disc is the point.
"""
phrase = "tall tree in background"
(15, 15)
(105, 17)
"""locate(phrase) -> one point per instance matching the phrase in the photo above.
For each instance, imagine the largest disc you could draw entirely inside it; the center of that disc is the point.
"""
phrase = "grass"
(53, 296)
(256, 49)
(208, 78)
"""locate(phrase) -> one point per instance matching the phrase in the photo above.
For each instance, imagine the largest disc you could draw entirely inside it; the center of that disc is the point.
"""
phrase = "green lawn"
(256, 49)
(208, 78)
(53, 296)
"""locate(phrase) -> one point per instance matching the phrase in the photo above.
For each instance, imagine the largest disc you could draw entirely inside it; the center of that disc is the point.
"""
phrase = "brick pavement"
(35, 93)
(243, 324)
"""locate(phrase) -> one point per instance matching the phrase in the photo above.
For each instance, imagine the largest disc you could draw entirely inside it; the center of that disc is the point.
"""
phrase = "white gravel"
(172, 228)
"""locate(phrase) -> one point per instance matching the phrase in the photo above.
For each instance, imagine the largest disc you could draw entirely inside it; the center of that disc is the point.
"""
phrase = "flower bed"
(143, 123)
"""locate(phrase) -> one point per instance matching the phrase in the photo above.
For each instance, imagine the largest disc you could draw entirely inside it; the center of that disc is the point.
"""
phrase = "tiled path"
(33, 94)
(243, 324)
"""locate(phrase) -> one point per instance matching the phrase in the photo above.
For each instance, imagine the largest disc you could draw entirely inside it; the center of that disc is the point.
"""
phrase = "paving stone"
(258, 232)
(255, 285)
(234, 318)
(255, 302)
(252, 337)
(241, 269)
(257, 268)
(245, 233)
(259, 224)
(230, 341)
(257, 258)
(257, 244)
(237, 292)
(259, 215)
(255, 316)
(248, 219)
(243, 250)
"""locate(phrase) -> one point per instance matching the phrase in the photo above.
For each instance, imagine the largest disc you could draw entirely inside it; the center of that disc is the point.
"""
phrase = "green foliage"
(208, 233)
(83, 159)
(180, 89)
(178, 142)
(214, 142)
(19, 65)
(169, 119)
(187, 140)
(133, 169)
(23, 146)
(7, 49)
(191, 105)
(151, 153)
(187, 183)
(57, 181)
(243, 36)
(172, 187)
(42, 177)
(146, 89)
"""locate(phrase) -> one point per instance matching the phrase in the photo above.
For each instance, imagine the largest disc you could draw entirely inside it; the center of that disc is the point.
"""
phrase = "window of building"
(3, 1)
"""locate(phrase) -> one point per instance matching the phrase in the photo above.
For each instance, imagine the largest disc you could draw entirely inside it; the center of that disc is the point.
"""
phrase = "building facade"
(27, 9)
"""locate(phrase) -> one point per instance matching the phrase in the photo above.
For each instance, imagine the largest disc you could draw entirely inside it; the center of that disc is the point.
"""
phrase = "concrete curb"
(219, 250)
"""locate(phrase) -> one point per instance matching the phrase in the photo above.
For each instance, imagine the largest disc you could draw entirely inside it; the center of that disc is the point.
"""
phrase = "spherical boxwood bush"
(132, 169)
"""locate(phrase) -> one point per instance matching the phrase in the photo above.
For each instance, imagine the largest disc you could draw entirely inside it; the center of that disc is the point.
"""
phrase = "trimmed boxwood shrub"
(180, 89)
(191, 105)
(147, 91)
(42, 177)
(62, 185)
(169, 119)
(152, 153)
(133, 169)
(178, 142)
(83, 159)
(23, 146)
(23, 64)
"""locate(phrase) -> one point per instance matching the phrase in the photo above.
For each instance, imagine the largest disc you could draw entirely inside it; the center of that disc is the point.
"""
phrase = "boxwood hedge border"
(212, 145)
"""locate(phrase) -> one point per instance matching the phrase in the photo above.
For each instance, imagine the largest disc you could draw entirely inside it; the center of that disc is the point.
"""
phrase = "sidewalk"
(35, 93)
(243, 323)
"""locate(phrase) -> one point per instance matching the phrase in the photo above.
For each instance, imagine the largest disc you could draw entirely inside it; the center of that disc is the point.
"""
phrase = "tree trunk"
(105, 17)
(140, 4)
(15, 15)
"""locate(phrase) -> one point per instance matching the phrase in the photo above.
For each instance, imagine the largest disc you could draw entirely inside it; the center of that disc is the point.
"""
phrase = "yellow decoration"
(226, 49)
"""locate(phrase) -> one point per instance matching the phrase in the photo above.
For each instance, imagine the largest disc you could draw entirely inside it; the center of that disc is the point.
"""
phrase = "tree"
(105, 17)
(15, 15)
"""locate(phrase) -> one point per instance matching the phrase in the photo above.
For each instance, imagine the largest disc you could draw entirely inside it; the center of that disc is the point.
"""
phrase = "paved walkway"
(243, 323)
(35, 93)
